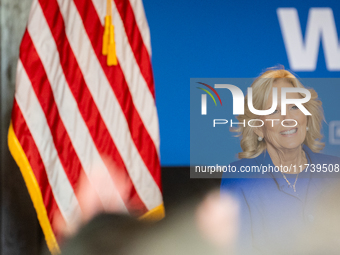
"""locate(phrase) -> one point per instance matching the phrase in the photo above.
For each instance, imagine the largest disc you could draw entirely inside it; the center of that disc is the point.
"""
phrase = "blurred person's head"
(254, 140)
(105, 234)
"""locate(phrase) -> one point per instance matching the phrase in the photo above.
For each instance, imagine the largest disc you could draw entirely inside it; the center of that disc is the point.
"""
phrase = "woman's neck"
(291, 159)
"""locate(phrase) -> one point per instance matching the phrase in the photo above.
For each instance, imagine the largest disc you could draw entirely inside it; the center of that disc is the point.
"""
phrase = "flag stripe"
(41, 133)
(142, 98)
(136, 42)
(30, 149)
(42, 89)
(70, 112)
(28, 145)
(135, 125)
(138, 10)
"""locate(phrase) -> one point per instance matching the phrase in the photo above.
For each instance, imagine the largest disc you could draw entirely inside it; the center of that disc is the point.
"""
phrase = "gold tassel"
(111, 57)
(106, 35)
(109, 47)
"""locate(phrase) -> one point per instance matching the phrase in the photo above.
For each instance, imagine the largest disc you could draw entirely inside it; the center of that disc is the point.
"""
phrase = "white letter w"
(303, 56)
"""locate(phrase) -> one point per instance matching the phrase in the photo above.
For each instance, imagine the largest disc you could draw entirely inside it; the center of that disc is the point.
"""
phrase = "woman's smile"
(289, 132)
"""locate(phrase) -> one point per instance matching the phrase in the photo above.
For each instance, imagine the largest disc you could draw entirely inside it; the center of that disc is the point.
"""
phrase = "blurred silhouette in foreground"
(209, 228)
(199, 226)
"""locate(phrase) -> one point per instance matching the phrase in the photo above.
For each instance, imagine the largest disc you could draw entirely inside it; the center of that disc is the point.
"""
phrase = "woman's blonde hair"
(262, 87)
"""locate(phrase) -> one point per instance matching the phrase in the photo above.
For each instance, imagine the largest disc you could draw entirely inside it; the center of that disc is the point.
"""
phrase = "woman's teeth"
(289, 132)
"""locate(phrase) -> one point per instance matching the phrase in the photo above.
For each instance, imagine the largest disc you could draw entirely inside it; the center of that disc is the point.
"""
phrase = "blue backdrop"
(210, 39)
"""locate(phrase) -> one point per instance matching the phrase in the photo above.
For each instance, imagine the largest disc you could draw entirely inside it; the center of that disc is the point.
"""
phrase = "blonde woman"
(279, 206)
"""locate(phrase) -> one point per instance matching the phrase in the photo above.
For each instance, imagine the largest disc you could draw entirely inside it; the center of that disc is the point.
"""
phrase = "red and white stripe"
(72, 112)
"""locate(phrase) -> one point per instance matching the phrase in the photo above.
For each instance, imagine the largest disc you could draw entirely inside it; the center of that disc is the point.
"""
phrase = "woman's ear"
(258, 132)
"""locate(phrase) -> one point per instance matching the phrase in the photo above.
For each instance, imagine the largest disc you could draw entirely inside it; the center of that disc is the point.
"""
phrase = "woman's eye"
(276, 111)
(295, 107)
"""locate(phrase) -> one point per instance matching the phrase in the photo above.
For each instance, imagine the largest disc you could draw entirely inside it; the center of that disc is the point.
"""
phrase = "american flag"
(72, 111)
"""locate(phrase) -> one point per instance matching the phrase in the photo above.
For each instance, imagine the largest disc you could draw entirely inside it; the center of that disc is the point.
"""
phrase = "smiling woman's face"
(274, 133)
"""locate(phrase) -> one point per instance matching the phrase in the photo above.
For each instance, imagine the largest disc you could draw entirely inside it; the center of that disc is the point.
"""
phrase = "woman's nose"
(288, 118)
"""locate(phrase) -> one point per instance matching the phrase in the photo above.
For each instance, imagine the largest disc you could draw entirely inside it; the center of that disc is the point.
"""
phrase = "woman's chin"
(291, 146)
(291, 142)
